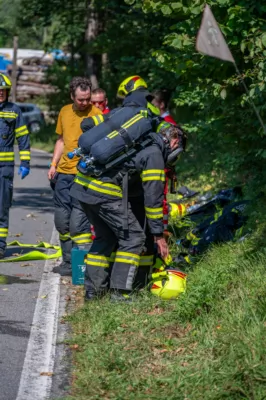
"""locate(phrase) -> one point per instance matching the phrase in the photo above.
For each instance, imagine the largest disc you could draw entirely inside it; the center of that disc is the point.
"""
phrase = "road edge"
(36, 377)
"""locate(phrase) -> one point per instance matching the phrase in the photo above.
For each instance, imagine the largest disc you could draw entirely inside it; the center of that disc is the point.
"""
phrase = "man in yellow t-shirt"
(70, 220)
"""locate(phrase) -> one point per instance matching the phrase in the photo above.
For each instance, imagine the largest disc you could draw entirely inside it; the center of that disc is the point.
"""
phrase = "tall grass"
(207, 344)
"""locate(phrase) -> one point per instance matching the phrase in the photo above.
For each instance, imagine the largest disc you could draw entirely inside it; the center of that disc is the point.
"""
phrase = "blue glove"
(24, 172)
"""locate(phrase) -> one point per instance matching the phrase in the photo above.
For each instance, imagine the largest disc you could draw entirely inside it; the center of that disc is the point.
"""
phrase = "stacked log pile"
(31, 83)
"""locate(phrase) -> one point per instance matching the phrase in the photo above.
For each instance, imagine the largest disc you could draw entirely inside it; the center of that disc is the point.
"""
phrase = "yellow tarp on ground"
(34, 254)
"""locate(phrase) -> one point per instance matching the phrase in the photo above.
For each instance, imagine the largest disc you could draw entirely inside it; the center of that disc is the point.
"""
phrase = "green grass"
(208, 344)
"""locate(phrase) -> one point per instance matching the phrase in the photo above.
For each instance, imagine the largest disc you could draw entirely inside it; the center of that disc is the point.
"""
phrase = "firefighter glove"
(23, 171)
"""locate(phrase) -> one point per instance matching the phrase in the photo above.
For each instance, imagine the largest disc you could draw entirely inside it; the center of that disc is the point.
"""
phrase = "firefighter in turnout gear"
(105, 203)
(12, 127)
(175, 132)
(174, 137)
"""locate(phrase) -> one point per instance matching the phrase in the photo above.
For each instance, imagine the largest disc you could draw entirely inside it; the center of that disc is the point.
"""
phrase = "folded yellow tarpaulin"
(34, 254)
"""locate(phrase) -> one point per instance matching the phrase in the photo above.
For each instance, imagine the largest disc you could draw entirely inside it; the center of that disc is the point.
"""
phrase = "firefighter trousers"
(6, 194)
(147, 258)
(69, 218)
(107, 219)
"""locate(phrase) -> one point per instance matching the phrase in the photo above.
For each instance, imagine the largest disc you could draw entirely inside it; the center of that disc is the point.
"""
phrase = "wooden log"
(35, 90)
(35, 62)
(35, 84)
(31, 68)
(21, 97)
(32, 77)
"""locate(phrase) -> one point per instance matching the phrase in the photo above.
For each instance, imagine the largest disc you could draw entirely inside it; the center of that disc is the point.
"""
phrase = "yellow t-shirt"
(68, 125)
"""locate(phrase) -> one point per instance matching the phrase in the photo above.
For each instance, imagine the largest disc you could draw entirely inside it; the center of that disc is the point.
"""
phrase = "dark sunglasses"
(98, 102)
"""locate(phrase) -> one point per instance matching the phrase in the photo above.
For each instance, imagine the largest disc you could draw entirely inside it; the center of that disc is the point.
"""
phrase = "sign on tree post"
(210, 41)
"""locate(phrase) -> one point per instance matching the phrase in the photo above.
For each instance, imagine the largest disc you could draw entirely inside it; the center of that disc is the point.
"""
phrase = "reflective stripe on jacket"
(12, 127)
(150, 166)
(94, 191)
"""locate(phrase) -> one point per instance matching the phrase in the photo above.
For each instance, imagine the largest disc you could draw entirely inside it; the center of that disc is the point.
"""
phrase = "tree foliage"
(123, 43)
(209, 95)
(156, 39)
(9, 27)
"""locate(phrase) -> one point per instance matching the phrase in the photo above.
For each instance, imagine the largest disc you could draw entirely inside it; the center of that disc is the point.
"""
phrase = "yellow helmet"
(177, 210)
(160, 264)
(168, 284)
(130, 84)
(5, 82)
(163, 125)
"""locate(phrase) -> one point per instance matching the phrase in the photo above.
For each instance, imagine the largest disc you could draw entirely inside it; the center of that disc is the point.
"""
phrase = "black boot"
(2, 253)
(121, 296)
(64, 269)
(92, 295)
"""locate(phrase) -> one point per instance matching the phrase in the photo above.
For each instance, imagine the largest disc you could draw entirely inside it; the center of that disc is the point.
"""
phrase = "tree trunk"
(14, 69)
(104, 63)
(92, 61)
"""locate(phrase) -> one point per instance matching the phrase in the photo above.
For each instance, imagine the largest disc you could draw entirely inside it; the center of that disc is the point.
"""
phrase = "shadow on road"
(10, 279)
(40, 199)
(36, 166)
(12, 328)
(39, 166)
(42, 156)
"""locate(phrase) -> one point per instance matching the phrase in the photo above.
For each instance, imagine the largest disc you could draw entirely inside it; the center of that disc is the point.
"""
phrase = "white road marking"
(40, 354)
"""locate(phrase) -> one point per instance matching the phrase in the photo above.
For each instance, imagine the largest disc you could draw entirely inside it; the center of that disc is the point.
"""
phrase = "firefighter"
(99, 99)
(126, 90)
(175, 137)
(173, 131)
(12, 126)
(70, 220)
(161, 100)
(104, 203)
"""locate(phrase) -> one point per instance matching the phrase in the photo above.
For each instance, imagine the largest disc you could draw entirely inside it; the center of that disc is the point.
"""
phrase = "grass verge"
(208, 344)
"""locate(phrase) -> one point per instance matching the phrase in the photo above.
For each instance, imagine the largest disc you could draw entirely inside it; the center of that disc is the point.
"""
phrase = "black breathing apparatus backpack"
(114, 139)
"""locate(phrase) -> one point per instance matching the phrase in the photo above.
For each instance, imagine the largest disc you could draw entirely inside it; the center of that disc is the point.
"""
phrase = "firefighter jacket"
(12, 127)
(150, 164)
(147, 167)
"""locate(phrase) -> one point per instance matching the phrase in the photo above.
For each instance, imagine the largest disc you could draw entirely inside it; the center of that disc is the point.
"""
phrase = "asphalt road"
(31, 220)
